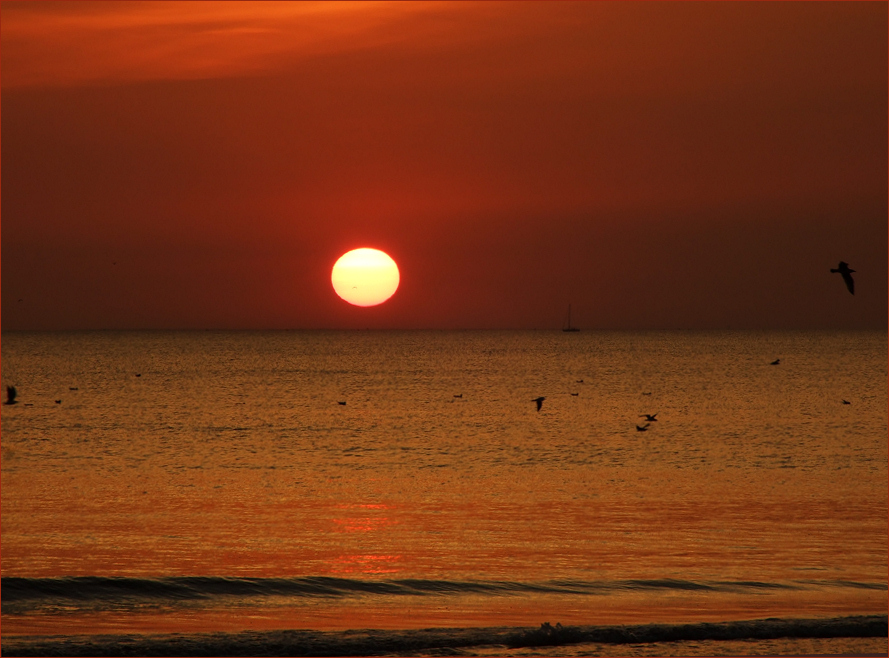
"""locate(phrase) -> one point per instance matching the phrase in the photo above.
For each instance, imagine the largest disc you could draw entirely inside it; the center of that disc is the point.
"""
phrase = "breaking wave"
(20, 594)
(86, 588)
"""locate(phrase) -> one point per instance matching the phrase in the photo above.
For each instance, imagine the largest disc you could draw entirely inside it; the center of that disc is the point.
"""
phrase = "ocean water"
(178, 484)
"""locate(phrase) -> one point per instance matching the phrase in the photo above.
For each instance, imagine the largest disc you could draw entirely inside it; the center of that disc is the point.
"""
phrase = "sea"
(400, 493)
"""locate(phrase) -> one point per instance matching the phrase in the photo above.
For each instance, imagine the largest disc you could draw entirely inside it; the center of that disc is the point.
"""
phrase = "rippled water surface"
(438, 495)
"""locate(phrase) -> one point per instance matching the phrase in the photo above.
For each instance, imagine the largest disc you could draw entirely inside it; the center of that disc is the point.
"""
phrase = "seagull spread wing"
(845, 271)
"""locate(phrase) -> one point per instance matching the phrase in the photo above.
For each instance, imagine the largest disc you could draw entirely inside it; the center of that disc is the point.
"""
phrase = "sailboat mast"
(568, 326)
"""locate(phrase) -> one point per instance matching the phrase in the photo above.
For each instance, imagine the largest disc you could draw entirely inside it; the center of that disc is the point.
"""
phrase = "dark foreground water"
(299, 486)
(848, 635)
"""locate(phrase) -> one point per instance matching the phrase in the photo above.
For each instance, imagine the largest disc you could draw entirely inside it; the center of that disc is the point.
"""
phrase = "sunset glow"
(185, 164)
(288, 283)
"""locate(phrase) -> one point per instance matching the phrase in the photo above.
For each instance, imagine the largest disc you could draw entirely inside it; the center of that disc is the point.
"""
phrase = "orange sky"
(656, 165)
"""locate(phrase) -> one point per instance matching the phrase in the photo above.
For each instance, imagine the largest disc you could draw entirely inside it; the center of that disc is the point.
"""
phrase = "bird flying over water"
(649, 417)
(539, 402)
(844, 270)
(776, 362)
(10, 395)
(644, 428)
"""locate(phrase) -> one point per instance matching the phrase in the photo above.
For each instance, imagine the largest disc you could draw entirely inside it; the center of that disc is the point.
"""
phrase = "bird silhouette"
(575, 394)
(342, 402)
(649, 417)
(846, 402)
(776, 362)
(458, 395)
(846, 272)
(644, 428)
(539, 402)
(10, 395)
(58, 402)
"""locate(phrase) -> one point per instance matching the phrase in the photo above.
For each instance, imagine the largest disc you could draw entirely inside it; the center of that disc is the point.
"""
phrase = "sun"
(365, 277)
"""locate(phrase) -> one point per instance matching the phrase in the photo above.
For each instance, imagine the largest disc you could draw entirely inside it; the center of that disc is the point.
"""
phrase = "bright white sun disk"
(365, 277)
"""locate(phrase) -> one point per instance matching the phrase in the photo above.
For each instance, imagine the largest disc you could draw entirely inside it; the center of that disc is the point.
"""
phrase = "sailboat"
(567, 326)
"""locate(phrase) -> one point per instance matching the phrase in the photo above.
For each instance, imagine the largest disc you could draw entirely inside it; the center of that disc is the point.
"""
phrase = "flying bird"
(10, 395)
(644, 428)
(539, 402)
(58, 402)
(342, 402)
(846, 272)
(649, 417)
(846, 402)
(776, 362)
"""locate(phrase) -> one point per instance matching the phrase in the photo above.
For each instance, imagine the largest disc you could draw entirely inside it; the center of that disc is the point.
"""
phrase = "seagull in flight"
(649, 417)
(644, 428)
(10, 395)
(539, 402)
(844, 269)
(776, 362)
